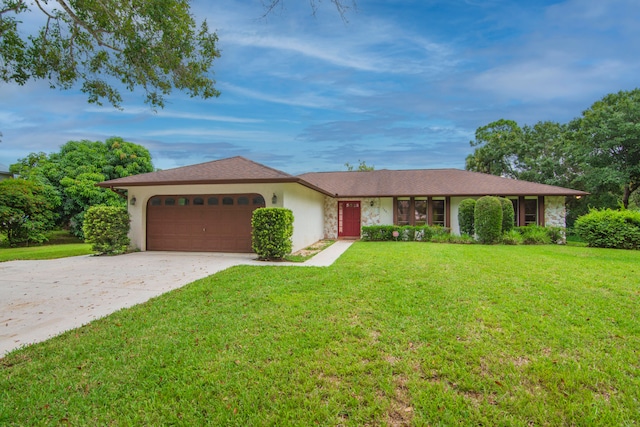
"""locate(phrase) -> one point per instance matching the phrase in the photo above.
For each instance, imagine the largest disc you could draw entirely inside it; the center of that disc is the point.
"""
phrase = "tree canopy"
(26, 211)
(609, 134)
(598, 152)
(106, 44)
(71, 174)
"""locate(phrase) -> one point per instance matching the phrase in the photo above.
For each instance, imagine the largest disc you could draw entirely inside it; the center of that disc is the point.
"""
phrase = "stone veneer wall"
(555, 213)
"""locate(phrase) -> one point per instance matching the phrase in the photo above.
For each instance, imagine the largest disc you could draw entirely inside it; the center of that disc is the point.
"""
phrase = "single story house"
(208, 206)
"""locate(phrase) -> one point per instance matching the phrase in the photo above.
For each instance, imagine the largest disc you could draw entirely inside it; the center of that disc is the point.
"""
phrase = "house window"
(156, 201)
(258, 201)
(227, 201)
(403, 212)
(438, 212)
(212, 201)
(242, 200)
(420, 211)
(199, 201)
(530, 211)
(169, 201)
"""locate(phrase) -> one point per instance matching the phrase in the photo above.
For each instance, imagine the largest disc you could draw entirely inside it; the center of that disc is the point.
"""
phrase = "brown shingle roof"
(234, 169)
(428, 182)
(377, 183)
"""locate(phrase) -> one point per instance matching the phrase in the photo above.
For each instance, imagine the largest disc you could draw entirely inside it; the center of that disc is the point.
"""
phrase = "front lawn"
(45, 252)
(391, 334)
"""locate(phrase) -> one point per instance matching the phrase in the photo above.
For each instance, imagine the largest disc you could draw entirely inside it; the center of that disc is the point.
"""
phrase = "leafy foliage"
(362, 166)
(272, 232)
(609, 132)
(26, 212)
(70, 175)
(402, 233)
(535, 235)
(609, 228)
(488, 219)
(466, 215)
(508, 214)
(107, 228)
(156, 46)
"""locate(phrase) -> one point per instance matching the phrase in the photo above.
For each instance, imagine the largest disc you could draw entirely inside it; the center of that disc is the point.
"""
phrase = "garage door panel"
(203, 226)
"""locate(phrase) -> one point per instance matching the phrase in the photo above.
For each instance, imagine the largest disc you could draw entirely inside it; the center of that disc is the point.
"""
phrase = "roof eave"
(114, 186)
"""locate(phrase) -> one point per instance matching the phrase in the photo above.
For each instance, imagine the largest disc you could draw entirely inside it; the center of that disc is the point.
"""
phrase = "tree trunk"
(625, 196)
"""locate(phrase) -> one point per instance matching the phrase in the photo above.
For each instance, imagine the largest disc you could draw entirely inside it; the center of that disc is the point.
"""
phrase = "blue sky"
(402, 85)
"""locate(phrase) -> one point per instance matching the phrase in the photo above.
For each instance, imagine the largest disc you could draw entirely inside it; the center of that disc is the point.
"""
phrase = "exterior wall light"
(274, 199)
(132, 202)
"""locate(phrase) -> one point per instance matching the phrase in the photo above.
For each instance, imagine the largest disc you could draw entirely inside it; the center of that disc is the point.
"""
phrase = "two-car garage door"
(201, 223)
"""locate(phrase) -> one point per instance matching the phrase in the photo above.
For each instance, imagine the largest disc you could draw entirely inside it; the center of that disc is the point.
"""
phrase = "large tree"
(108, 44)
(71, 174)
(609, 133)
(26, 211)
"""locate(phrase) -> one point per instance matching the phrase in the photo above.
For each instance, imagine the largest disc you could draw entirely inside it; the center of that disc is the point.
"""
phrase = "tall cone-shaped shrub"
(272, 232)
(488, 219)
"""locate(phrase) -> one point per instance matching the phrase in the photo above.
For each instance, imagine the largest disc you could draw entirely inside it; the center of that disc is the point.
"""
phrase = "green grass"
(391, 334)
(45, 252)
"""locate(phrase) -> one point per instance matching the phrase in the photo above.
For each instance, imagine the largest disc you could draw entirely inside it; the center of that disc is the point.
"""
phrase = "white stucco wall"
(308, 214)
(305, 203)
(455, 205)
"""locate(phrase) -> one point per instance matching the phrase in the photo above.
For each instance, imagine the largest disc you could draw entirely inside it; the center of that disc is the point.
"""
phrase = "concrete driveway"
(41, 299)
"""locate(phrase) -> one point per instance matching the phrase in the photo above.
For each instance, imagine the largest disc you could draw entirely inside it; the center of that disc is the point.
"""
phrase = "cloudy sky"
(403, 84)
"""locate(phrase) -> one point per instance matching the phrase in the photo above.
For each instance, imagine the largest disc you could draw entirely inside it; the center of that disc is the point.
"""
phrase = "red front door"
(349, 219)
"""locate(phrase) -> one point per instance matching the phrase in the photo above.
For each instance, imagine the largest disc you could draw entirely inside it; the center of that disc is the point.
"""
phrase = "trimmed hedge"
(610, 229)
(106, 228)
(272, 232)
(406, 233)
(466, 214)
(508, 215)
(488, 219)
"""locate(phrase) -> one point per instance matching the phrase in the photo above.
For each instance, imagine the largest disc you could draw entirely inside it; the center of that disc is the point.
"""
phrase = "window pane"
(530, 211)
(258, 200)
(403, 212)
(198, 201)
(212, 201)
(183, 201)
(227, 200)
(438, 212)
(169, 201)
(156, 201)
(421, 212)
(243, 200)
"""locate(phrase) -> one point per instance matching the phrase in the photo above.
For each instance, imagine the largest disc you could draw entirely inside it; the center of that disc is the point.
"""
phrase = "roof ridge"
(261, 165)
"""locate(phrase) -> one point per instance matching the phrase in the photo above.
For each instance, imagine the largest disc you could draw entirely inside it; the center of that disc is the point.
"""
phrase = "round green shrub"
(466, 212)
(488, 219)
(508, 215)
(610, 229)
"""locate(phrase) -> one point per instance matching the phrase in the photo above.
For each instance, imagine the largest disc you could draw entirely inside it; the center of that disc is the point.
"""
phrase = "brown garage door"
(201, 223)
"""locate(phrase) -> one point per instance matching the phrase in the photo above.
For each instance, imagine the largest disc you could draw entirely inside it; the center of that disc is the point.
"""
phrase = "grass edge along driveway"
(391, 334)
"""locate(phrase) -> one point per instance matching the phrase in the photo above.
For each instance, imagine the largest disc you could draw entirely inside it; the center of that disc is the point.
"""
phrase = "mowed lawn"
(391, 334)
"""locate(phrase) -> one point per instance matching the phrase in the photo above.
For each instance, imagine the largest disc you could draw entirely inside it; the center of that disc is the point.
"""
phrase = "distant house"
(208, 206)
(4, 172)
